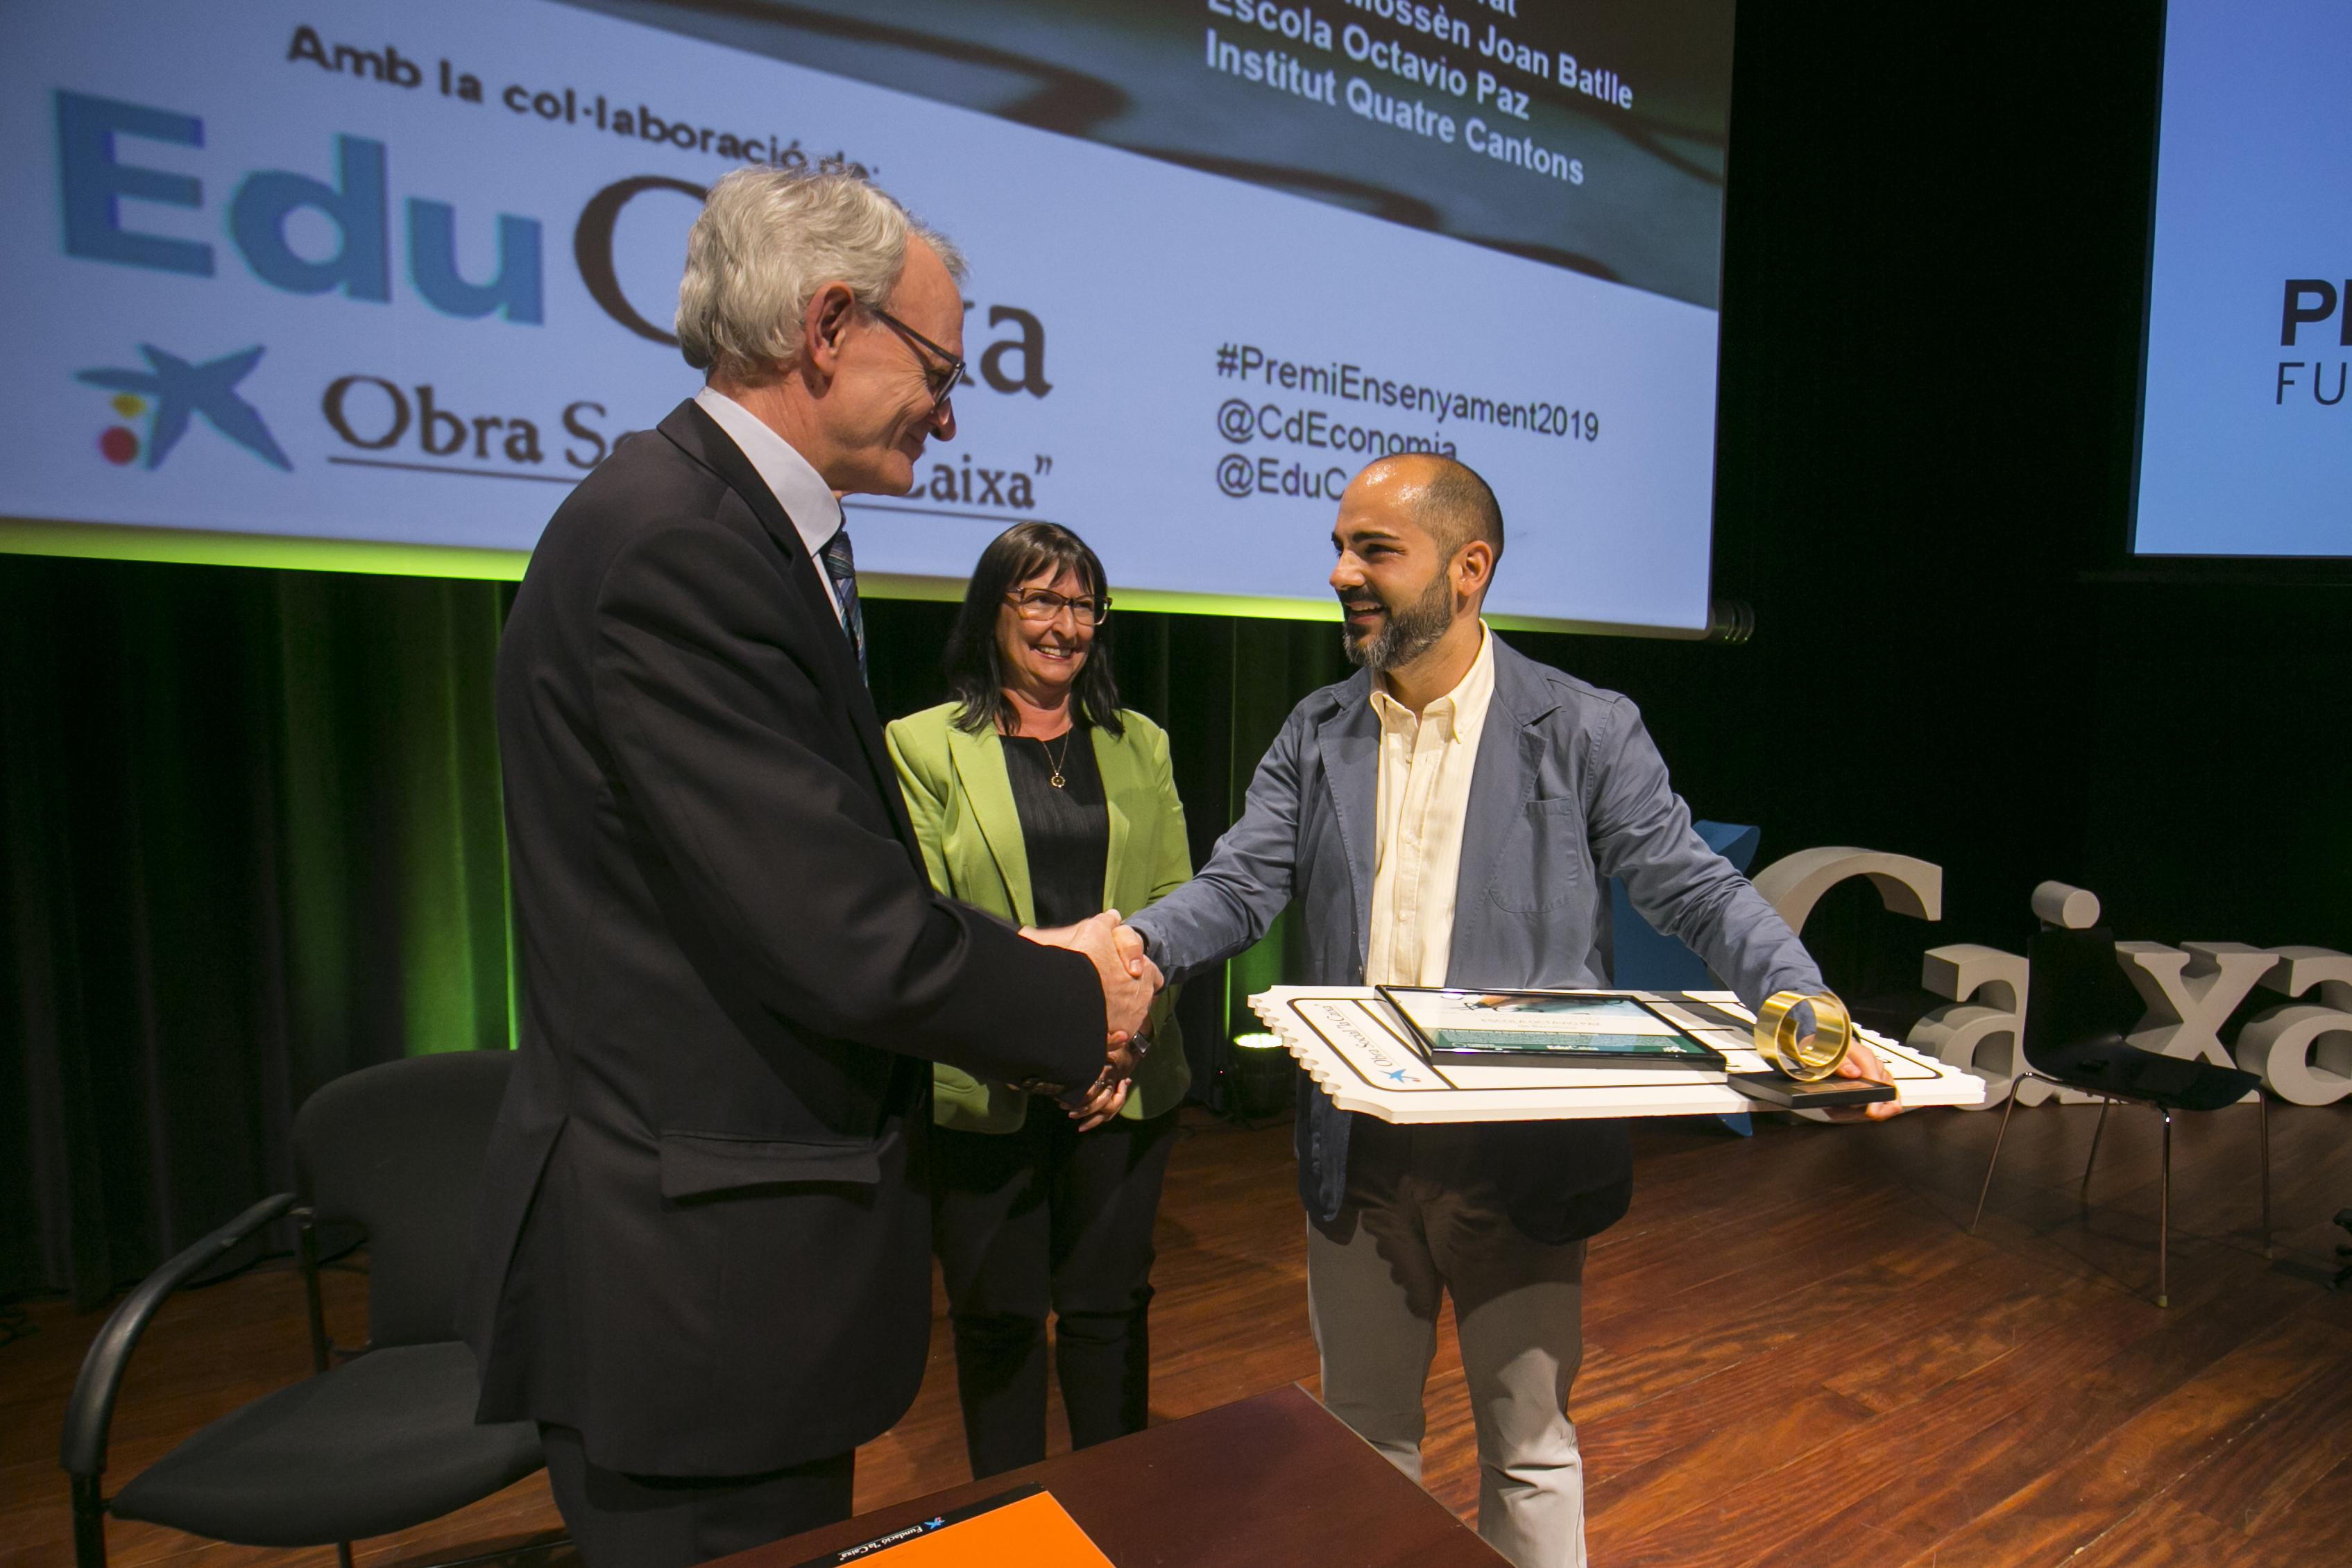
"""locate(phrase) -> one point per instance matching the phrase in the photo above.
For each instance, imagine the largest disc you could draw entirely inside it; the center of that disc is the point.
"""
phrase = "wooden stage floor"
(1794, 1356)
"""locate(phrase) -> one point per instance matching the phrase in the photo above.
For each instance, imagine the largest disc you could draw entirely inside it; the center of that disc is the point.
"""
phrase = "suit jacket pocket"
(1542, 865)
(696, 1164)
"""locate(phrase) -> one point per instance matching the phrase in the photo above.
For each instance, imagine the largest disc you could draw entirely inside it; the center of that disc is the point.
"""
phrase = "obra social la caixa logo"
(172, 390)
(100, 164)
(98, 167)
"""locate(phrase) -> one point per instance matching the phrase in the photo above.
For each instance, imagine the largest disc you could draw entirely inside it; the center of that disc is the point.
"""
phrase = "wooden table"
(1274, 1480)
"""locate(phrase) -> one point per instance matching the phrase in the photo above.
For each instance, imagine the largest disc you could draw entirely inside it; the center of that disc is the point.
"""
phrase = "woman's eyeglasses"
(1044, 604)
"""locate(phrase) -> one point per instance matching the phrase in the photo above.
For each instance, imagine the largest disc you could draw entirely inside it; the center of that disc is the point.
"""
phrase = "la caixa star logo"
(172, 391)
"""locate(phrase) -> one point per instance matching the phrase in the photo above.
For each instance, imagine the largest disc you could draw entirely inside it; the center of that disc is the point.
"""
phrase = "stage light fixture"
(1262, 1075)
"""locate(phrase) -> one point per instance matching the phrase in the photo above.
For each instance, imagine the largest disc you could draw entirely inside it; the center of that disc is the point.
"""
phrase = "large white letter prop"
(1988, 991)
(2186, 1005)
(2305, 1052)
(1795, 883)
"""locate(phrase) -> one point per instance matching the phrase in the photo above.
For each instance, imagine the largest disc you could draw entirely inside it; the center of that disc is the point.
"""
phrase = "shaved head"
(1444, 498)
(1417, 538)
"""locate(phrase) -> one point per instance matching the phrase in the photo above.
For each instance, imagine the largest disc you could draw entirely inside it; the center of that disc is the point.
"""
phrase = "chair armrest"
(91, 1411)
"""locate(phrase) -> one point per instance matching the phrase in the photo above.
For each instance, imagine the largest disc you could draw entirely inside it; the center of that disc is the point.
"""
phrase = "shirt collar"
(799, 488)
(1456, 708)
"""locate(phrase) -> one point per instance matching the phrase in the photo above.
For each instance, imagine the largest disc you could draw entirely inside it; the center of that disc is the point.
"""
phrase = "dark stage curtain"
(252, 843)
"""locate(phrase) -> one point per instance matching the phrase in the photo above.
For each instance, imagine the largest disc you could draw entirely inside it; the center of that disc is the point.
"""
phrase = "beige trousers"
(1421, 1220)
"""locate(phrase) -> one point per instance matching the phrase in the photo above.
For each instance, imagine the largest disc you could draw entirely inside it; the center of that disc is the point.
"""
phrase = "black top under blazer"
(704, 1238)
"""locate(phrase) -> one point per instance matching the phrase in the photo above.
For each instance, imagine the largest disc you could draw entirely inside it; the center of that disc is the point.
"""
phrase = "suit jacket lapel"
(1350, 743)
(1502, 781)
(698, 435)
(979, 764)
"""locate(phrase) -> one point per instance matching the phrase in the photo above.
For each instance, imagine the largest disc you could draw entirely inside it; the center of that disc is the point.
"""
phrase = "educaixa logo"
(172, 391)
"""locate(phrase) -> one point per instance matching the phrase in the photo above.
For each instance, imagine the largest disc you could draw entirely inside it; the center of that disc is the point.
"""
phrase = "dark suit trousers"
(621, 1521)
(1048, 1216)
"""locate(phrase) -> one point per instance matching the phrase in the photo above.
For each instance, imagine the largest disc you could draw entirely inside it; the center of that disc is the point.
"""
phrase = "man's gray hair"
(768, 240)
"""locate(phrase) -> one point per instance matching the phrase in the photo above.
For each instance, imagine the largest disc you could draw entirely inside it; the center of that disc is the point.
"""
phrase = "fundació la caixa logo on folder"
(172, 391)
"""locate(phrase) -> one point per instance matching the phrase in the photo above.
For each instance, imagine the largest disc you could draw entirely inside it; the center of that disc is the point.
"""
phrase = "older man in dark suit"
(703, 1261)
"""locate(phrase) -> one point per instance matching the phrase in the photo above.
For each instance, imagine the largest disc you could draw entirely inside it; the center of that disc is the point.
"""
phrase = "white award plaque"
(1350, 1041)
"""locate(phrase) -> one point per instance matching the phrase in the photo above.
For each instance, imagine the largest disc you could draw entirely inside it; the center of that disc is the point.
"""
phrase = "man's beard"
(1404, 635)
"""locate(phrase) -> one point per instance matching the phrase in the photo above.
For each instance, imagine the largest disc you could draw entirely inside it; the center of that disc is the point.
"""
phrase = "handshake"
(1129, 983)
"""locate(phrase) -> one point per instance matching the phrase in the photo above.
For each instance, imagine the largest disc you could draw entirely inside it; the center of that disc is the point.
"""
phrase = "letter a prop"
(2305, 1052)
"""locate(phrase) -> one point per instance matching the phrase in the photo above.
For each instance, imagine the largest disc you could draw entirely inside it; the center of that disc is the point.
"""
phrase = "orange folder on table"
(1031, 1530)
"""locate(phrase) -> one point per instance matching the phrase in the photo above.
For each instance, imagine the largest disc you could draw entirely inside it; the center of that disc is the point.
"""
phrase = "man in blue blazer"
(1451, 815)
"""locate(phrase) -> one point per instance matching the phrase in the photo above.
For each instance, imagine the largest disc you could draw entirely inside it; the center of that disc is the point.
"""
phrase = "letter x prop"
(2190, 992)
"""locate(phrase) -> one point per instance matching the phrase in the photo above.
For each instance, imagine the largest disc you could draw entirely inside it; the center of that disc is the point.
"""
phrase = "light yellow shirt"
(1426, 767)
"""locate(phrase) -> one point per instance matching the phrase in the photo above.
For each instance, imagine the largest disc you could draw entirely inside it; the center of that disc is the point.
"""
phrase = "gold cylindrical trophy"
(1802, 1039)
(1807, 1056)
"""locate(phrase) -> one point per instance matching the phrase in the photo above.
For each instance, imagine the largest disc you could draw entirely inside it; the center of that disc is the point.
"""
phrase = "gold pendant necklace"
(1056, 764)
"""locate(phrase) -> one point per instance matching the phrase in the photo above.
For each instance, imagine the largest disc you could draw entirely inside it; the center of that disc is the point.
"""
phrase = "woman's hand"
(1102, 1101)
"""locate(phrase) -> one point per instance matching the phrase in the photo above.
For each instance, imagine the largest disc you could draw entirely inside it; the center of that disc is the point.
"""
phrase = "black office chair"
(384, 1440)
(2078, 1006)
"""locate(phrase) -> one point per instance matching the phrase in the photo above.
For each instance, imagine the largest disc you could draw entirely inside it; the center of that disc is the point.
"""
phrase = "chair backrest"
(397, 1150)
(2076, 993)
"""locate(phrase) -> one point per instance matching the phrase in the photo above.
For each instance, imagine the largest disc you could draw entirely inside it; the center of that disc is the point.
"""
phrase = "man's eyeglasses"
(942, 379)
(1044, 604)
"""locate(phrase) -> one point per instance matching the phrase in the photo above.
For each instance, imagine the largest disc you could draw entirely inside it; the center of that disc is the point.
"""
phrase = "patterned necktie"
(840, 570)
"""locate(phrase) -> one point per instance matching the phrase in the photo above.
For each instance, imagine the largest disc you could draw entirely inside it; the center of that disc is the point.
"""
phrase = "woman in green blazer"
(1037, 797)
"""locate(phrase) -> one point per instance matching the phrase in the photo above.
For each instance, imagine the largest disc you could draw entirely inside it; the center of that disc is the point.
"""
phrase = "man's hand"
(1129, 980)
(1861, 1061)
(1130, 942)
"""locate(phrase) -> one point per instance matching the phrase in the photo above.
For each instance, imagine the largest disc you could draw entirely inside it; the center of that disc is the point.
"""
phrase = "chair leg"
(2104, 1102)
(343, 1555)
(2263, 1114)
(306, 1247)
(2007, 1106)
(2164, 1215)
(89, 1523)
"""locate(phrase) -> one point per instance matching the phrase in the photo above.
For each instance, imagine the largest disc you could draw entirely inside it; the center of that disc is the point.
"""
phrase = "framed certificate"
(1569, 1028)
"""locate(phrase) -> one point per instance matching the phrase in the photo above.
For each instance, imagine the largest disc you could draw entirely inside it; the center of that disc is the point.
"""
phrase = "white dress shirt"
(799, 488)
(1426, 761)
